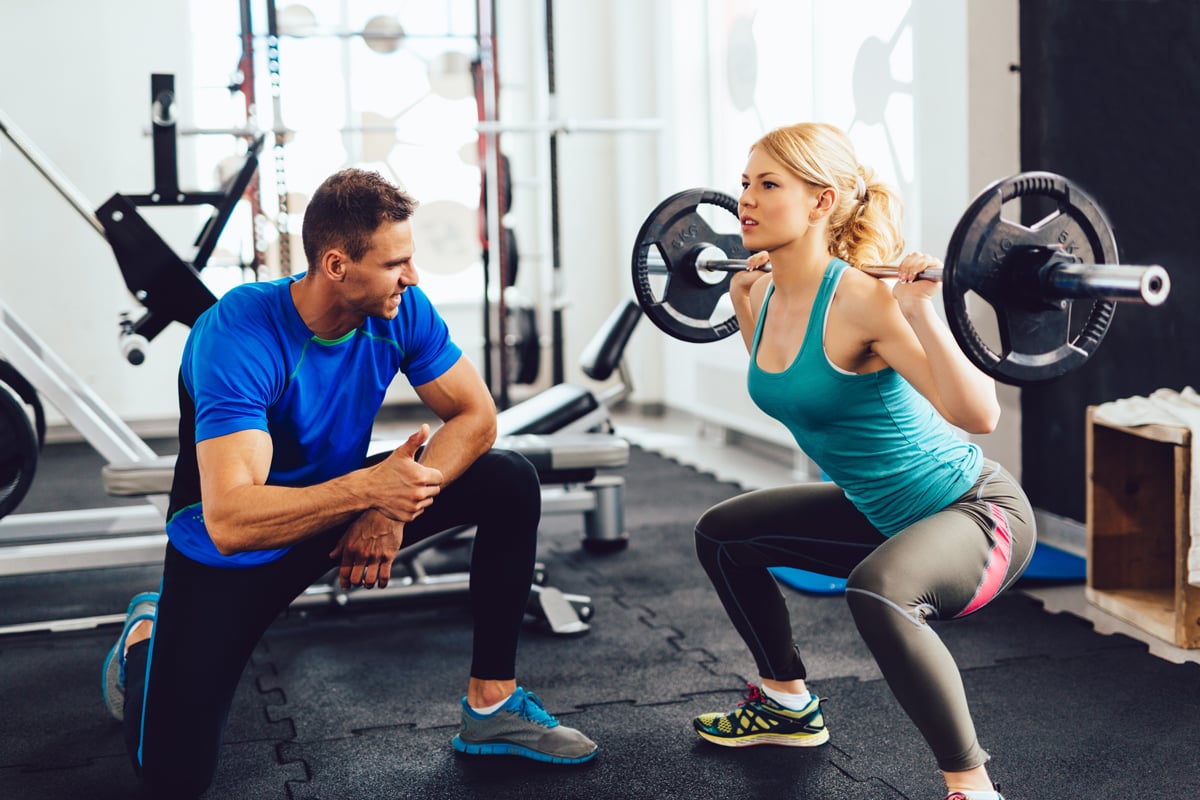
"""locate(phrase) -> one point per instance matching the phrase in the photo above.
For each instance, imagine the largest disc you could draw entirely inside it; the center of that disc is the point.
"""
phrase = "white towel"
(1167, 407)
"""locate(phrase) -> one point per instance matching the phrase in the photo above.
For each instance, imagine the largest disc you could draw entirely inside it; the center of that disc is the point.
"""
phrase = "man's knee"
(509, 472)
(174, 784)
(508, 484)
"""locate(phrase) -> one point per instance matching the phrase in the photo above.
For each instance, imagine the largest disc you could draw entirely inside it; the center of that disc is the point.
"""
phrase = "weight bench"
(567, 466)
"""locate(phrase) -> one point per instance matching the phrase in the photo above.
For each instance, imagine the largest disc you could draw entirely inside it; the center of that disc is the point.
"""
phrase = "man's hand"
(367, 550)
(401, 488)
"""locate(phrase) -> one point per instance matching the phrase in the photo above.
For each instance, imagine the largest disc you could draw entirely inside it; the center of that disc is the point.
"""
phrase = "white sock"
(483, 712)
(795, 702)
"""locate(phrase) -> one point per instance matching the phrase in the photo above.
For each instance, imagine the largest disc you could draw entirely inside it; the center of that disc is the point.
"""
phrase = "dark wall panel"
(1110, 98)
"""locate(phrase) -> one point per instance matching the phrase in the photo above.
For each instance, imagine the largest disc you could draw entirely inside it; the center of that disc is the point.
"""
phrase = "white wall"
(84, 101)
(994, 152)
(951, 126)
(77, 82)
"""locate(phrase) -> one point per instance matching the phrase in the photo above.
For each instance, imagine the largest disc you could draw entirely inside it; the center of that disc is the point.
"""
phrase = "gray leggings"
(947, 565)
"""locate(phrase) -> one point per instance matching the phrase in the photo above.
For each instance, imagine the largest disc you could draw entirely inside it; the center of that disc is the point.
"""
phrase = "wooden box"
(1138, 528)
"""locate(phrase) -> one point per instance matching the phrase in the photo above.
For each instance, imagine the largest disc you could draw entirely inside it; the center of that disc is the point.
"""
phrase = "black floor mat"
(361, 702)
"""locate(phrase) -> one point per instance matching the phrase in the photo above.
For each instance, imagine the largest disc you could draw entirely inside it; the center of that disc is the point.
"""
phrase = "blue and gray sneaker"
(112, 678)
(522, 727)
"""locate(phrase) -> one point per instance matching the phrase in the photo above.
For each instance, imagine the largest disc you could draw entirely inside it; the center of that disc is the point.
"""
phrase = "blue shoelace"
(530, 707)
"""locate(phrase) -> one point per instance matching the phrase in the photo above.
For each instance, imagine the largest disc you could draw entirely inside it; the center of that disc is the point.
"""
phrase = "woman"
(871, 384)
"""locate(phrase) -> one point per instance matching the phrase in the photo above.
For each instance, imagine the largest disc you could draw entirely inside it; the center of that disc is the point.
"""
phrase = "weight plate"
(18, 451)
(24, 389)
(677, 231)
(448, 233)
(1037, 343)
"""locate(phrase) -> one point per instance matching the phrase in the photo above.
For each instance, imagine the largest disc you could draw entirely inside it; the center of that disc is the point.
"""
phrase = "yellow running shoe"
(760, 720)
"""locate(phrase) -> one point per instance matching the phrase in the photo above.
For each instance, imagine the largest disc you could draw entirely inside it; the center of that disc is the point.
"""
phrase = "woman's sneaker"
(760, 720)
(112, 676)
(522, 727)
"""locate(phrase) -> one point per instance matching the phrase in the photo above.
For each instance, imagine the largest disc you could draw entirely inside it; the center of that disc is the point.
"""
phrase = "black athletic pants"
(210, 619)
(947, 565)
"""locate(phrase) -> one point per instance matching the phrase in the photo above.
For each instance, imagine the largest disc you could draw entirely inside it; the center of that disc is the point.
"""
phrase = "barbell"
(1030, 275)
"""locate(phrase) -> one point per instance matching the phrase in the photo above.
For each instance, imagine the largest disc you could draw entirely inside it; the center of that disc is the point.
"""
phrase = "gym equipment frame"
(171, 290)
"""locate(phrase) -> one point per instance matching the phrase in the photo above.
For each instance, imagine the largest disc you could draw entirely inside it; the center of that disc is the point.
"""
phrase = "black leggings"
(210, 619)
(947, 565)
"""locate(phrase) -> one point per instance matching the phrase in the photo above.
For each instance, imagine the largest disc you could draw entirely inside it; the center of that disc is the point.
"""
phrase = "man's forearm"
(457, 443)
(262, 517)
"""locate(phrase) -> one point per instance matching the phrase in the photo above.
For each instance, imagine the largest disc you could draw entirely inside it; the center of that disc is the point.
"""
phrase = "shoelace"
(755, 696)
(531, 709)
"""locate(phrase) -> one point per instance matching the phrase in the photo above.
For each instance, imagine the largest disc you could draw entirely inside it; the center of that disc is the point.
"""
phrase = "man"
(279, 387)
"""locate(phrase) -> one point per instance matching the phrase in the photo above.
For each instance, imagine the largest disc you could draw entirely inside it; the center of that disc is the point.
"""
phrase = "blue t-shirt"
(250, 363)
(874, 435)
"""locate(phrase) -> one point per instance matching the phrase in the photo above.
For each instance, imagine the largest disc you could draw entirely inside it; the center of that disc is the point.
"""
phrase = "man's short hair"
(347, 209)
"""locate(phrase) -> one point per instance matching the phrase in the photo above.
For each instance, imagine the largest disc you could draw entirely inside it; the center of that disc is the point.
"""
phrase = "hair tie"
(860, 189)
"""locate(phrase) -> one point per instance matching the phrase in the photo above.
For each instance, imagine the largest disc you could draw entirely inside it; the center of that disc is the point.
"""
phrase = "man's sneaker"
(760, 720)
(522, 727)
(112, 676)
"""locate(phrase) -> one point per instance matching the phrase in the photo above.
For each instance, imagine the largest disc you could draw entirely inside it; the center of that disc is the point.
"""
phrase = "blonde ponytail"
(865, 226)
(869, 232)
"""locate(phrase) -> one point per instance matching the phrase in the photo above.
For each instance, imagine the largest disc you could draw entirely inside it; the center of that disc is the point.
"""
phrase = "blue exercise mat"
(1048, 564)
(1052, 564)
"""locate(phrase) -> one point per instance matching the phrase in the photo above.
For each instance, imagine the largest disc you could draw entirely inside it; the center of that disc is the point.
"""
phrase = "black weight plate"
(677, 231)
(24, 389)
(1036, 340)
(18, 451)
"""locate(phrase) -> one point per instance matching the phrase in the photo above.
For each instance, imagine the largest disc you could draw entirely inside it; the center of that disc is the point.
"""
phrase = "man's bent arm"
(462, 401)
(243, 513)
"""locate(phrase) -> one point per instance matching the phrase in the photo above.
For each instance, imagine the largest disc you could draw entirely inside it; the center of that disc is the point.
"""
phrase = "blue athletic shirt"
(874, 435)
(250, 363)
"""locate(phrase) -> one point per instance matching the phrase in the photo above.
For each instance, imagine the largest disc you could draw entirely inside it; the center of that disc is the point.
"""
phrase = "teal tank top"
(874, 435)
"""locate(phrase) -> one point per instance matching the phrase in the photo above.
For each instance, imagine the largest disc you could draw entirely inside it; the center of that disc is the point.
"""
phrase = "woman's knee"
(718, 525)
(868, 577)
(710, 534)
(872, 589)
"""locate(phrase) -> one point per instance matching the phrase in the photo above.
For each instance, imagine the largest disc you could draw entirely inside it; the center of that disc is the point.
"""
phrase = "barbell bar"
(1148, 285)
(1031, 275)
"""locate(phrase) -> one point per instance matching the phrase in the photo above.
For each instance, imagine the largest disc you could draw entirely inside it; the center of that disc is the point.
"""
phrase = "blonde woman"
(869, 381)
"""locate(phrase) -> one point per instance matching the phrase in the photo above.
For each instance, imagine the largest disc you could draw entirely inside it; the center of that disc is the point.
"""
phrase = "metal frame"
(135, 535)
(110, 436)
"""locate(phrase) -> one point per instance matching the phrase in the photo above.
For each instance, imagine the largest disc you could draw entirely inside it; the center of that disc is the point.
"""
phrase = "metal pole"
(557, 358)
(246, 85)
(279, 131)
(535, 127)
(50, 172)
(487, 72)
(1122, 282)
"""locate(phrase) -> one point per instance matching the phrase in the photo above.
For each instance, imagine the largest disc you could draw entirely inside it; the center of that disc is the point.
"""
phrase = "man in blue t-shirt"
(279, 386)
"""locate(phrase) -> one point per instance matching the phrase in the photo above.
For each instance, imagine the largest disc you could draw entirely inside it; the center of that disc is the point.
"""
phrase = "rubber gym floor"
(362, 701)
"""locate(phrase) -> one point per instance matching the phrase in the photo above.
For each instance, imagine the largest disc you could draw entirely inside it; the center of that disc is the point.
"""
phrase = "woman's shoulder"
(861, 288)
